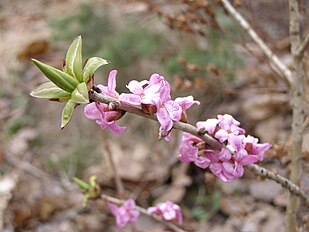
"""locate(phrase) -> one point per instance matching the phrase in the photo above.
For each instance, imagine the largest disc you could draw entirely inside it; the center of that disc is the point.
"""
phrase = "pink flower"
(110, 89)
(222, 127)
(100, 112)
(188, 152)
(237, 150)
(145, 92)
(168, 211)
(229, 124)
(104, 117)
(125, 214)
(137, 92)
(186, 102)
(154, 97)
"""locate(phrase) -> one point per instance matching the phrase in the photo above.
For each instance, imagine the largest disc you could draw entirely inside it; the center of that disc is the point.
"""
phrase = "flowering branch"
(185, 127)
(247, 27)
(122, 105)
(143, 211)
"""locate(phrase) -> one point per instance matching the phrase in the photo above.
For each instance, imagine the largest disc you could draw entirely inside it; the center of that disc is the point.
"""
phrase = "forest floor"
(38, 160)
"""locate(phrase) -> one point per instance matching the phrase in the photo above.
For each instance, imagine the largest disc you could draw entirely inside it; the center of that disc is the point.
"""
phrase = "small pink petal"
(130, 98)
(164, 119)
(92, 112)
(115, 129)
(174, 110)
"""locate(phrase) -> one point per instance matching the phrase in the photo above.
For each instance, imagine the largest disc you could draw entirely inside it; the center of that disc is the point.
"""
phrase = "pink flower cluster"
(152, 96)
(168, 211)
(127, 213)
(238, 150)
(124, 214)
(100, 112)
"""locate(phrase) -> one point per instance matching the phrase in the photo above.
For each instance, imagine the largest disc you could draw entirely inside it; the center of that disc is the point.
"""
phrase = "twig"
(98, 97)
(185, 127)
(110, 157)
(270, 55)
(143, 211)
(284, 182)
(302, 47)
(297, 92)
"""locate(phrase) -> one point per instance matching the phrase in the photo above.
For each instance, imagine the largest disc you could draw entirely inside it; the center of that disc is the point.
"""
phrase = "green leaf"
(49, 90)
(81, 184)
(80, 94)
(91, 66)
(67, 113)
(59, 78)
(73, 60)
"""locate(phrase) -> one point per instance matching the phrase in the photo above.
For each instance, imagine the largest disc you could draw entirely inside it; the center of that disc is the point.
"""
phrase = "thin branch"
(97, 97)
(185, 127)
(143, 211)
(302, 47)
(284, 182)
(111, 160)
(266, 50)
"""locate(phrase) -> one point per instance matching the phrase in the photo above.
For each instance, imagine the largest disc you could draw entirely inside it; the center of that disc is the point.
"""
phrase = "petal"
(186, 102)
(112, 81)
(104, 89)
(225, 154)
(136, 87)
(209, 125)
(92, 112)
(115, 129)
(152, 210)
(201, 162)
(212, 155)
(222, 135)
(130, 98)
(164, 119)
(259, 149)
(249, 159)
(129, 204)
(113, 208)
(215, 168)
(110, 116)
(174, 110)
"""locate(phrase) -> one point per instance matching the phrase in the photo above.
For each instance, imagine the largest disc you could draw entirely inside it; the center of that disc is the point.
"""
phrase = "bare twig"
(286, 73)
(297, 92)
(284, 182)
(185, 127)
(143, 211)
(302, 47)
(110, 157)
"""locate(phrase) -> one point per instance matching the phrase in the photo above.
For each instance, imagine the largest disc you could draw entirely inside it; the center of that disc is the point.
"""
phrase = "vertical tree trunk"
(298, 114)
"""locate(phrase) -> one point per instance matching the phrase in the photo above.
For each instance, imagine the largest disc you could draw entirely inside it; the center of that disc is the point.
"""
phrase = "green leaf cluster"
(70, 85)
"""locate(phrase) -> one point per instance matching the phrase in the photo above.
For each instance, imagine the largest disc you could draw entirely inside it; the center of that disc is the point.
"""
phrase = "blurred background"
(201, 51)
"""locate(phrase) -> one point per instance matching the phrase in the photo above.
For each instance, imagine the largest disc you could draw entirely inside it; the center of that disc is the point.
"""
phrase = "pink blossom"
(154, 97)
(104, 117)
(168, 211)
(110, 89)
(100, 112)
(145, 92)
(237, 149)
(186, 102)
(229, 124)
(188, 152)
(125, 214)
